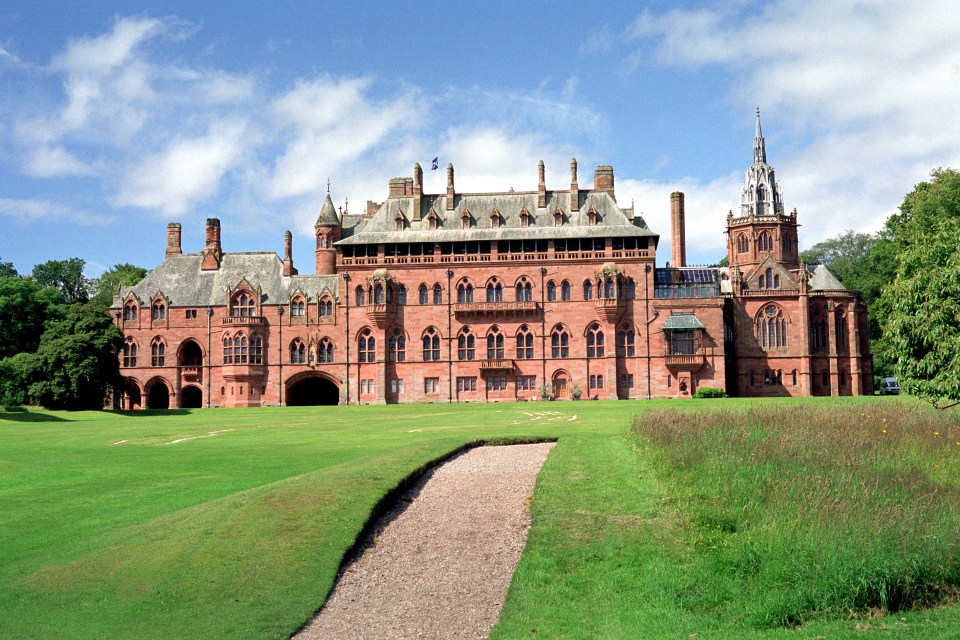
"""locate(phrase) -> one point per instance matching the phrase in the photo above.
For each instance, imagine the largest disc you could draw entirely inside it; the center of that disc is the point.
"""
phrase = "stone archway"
(191, 398)
(312, 390)
(131, 398)
(159, 396)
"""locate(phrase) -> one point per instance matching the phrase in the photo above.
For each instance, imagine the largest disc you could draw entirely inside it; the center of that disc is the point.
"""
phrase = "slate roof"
(822, 280)
(613, 221)
(184, 284)
(328, 214)
(682, 321)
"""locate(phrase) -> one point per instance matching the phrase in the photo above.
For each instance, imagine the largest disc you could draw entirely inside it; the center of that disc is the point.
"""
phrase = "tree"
(75, 363)
(921, 323)
(25, 309)
(104, 287)
(840, 254)
(66, 276)
(7, 270)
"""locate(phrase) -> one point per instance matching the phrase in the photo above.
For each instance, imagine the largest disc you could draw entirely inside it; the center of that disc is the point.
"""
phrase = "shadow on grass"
(153, 413)
(22, 414)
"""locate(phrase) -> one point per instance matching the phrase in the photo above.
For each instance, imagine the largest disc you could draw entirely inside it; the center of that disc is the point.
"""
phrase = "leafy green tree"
(921, 321)
(25, 308)
(840, 254)
(7, 270)
(104, 287)
(75, 363)
(66, 276)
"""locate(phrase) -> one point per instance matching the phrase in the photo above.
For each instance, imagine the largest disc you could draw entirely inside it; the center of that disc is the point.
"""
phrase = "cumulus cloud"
(22, 211)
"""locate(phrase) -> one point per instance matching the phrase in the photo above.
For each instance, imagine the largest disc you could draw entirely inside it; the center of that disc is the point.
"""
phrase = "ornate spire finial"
(759, 147)
(328, 186)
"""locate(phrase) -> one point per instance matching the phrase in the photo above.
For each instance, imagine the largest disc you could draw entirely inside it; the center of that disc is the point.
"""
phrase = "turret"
(328, 230)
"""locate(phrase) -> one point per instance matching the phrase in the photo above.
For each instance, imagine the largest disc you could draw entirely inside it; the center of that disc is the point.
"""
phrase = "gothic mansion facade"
(480, 297)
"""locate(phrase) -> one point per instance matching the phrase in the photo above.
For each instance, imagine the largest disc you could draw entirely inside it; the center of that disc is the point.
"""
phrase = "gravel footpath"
(441, 566)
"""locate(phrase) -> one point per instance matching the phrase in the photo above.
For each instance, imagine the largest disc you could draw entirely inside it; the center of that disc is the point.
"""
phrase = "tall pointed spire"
(759, 147)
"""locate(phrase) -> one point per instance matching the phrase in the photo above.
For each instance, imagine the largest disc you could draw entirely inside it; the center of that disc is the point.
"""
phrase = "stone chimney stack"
(173, 239)
(603, 180)
(574, 187)
(542, 186)
(397, 187)
(417, 190)
(451, 194)
(678, 248)
(288, 268)
(212, 252)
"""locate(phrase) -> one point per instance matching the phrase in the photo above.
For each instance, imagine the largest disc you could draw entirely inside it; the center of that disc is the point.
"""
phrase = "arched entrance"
(191, 398)
(131, 398)
(159, 396)
(312, 390)
(560, 391)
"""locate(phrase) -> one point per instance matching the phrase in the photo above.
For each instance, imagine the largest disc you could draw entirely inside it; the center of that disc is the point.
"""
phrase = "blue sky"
(116, 118)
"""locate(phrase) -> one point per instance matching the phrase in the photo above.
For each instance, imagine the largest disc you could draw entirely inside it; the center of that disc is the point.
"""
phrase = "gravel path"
(441, 566)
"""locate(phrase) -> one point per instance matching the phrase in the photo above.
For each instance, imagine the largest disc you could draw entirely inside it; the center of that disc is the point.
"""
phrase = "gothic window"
(361, 296)
(325, 351)
(565, 291)
(367, 346)
(587, 290)
(378, 293)
(840, 328)
(437, 294)
(402, 294)
(761, 195)
(592, 217)
(558, 218)
(560, 343)
(227, 349)
(496, 220)
(608, 288)
(776, 281)
(551, 291)
(818, 329)
(494, 344)
(743, 243)
(239, 349)
(432, 221)
(398, 223)
(682, 342)
(494, 291)
(625, 341)
(466, 345)
(464, 292)
(130, 311)
(397, 346)
(631, 289)
(297, 307)
(524, 219)
(159, 310)
(157, 352)
(431, 345)
(129, 353)
(524, 291)
(524, 343)
(465, 220)
(243, 306)
(424, 294)
(326, 307)
(256, 349)
(786, 243)
(765, 241)
(594, 341)
(298, 352)
(762, 282)
(771, 328)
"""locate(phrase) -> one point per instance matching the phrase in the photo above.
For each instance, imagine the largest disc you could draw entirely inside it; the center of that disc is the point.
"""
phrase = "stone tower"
(328, 230)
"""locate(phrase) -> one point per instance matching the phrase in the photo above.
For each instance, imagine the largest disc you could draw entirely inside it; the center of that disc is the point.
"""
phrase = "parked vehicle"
(890, 387)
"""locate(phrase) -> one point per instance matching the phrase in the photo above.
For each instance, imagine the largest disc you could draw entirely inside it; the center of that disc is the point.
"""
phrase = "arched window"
(631, 289)
(494, 291)
(551, 291)
(769, 274)
(431, 345)
(130, 311)
(402, 294)
(743, 243)
(326, 307)
(465, 220)
(565, 291)
(466, 345)
(129, 353)
(389, 291)
(558, 219)
(378, 294)
(256, 349)
(464, 292)
(840, 328)
(592, 217)
(524, 343)
(494, 344)
(524, 219)
(239, 349)
(625, 341)
(360, 297)
(243, 306)
(764, 241)
(398, 223)
(157, 352)
(297, 307)
(367, 346)
(609, 289)
(424, 294)
(397, 346)
(227, 349)
(524, 291)
(298, 352)
(762, 282)
(587, 290)
(594, 341)
(776, 281)
(159, 310)
(560, 343)
(496, 220)
(437, 294)
(771, 328)
(325, 351)
(432, 220)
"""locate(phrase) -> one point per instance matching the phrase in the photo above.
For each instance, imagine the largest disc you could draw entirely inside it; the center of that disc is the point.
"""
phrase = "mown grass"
(237, 530)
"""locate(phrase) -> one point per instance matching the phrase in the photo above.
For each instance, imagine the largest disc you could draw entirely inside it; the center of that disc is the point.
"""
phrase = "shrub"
(710, 392)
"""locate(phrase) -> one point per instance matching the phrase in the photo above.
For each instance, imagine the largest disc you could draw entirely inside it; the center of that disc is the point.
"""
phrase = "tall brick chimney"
(541, 186)
(288, 269)
(603, 180)
(212, 251)
(574, 187)
(451, 194)
(417, 190)
(173, 239)
(678, 248)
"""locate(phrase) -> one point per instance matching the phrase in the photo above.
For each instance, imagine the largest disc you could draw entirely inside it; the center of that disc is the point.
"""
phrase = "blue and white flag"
(435, 164)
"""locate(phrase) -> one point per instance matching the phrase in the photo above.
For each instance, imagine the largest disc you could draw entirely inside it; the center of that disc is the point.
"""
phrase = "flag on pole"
(435, 164)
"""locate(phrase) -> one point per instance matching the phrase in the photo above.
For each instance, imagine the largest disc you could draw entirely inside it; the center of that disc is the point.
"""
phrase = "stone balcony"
(382, 315)
(500, 364)
(244, 321)
(685, 362)
(610, 309)
(499, 308)
(191, 373)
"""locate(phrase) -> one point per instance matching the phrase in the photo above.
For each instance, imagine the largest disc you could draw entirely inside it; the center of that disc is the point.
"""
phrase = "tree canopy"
(25, 308)
(7, 270)
(66, 276)
(104, 287)
(921, 321)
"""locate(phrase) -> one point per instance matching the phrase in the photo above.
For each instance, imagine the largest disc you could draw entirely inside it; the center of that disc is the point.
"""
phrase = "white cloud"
(23, 211)
(53, 162)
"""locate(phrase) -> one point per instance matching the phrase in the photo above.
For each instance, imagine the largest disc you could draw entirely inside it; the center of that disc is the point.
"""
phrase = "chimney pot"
(173, 239)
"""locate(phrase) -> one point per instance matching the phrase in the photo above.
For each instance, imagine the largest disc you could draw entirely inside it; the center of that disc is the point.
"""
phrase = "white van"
(889, 387)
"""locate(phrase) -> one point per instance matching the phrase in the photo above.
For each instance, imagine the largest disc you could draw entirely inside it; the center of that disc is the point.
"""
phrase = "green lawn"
(232, 523)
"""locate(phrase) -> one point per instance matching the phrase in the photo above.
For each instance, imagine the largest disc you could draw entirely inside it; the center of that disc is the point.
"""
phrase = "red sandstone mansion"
(480, 297)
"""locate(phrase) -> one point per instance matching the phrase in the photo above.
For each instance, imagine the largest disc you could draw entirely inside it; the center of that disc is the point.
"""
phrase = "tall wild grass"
(792, 512)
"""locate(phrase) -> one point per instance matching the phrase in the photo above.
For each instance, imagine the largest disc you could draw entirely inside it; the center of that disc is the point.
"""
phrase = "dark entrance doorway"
(312, 391)
(191, 398)
(131, 397)
(159, 397)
